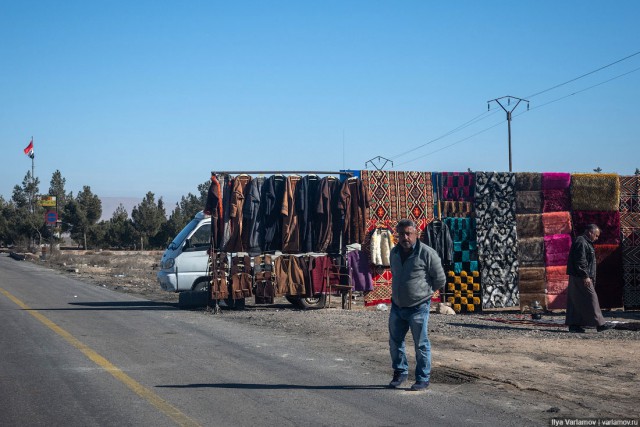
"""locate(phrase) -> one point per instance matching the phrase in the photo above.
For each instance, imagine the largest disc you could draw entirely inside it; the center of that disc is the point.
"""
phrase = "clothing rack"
(284, 172)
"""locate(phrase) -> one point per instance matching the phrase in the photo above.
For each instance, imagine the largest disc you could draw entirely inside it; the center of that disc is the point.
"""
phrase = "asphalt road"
(72, 354)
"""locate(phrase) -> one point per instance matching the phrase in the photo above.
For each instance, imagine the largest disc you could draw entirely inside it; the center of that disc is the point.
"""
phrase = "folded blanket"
(556, 200)
(529, 225)
(528, 202)
(531, 252)
(528, 181)
(595, 192)
(556, 223)
(608, 221)
(555, 180)
(531, 274)
(556, 249)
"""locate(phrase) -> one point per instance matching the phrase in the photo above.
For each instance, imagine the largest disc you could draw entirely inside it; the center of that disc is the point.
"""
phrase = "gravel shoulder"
(541, 369)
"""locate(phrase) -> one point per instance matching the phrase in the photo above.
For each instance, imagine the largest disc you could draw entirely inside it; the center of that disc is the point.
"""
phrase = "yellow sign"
(47, 201)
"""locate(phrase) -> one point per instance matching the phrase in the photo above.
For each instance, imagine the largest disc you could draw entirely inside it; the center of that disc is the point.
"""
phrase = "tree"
(28, 215)
(148, 217)
(56, 188)
(82, 213)
(120, 231)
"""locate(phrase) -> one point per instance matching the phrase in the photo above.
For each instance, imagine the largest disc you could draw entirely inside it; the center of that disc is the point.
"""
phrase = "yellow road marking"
(161, 404)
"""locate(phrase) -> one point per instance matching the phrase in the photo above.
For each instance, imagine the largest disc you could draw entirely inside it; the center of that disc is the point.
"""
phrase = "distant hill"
(110, 204)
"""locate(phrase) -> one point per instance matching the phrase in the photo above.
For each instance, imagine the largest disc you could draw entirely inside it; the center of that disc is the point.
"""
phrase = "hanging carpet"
(556, 223)
(556, 249)
(529, 225)
(557, 283)
(556, 180)
(528, 202)
(494, 203)
(631, 274)
(457, 186)
(630, 230)
(556, 200)
(528, 181)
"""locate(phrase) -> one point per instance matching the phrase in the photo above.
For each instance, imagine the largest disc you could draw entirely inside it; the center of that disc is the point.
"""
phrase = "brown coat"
(326, 211)
(236, 202)
(290, 226)
(289, 276)
(354, 205)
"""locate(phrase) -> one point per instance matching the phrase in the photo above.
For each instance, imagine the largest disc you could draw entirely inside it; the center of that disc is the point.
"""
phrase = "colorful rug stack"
(630, 227)
(530, 238)
(463, 291)
(557, 226)
(465, 262)
(495, 208)
(394, 196)
(557, 231)
(595, 199)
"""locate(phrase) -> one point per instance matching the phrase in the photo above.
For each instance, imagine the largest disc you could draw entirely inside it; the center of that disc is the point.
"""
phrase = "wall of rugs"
(512, 232)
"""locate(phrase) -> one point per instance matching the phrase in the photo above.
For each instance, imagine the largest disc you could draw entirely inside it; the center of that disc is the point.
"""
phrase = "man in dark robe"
(583, 308)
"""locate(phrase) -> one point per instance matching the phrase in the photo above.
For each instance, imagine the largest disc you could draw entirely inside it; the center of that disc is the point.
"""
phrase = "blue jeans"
(400, 321)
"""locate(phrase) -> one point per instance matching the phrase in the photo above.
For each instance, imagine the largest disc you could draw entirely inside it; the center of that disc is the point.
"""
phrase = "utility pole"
(508, 111)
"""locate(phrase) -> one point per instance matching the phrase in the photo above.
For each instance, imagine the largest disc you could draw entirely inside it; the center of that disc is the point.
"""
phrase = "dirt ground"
(538, 367)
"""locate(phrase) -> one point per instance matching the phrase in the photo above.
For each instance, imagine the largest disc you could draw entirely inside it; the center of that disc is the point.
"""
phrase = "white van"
(184, 264)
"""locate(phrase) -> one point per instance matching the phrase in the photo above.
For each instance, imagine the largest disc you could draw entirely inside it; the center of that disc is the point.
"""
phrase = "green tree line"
(22, 219)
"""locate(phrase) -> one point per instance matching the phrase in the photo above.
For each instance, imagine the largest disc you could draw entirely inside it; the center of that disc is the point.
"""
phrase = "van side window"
(202, 236)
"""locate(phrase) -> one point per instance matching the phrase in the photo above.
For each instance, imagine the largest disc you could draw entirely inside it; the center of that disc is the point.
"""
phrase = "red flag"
(29, 150)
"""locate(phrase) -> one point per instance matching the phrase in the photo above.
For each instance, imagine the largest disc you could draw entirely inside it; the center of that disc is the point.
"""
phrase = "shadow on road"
(117, 305)
(277, 386)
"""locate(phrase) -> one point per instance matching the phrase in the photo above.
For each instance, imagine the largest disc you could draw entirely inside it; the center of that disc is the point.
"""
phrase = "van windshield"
(177, 241)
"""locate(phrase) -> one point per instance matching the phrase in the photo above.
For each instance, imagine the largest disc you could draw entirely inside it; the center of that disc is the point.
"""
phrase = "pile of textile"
(529, 200)
(595, 199)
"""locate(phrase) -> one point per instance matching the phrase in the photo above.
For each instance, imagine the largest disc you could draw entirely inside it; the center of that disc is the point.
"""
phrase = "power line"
(524, 112)
(486, 115)
(581, 90)
(584, 75)
(450, 145)
(466, 124)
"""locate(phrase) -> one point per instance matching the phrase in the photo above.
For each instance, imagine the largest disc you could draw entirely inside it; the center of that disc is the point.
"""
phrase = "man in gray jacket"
(417, 273)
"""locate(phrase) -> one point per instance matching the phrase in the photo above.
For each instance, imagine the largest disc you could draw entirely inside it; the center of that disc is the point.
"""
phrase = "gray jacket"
(415, 281)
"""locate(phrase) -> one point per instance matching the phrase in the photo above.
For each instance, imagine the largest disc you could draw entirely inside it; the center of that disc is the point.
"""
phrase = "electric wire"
(524, 112)
(466, 124)
(480, 117)
(584, 75)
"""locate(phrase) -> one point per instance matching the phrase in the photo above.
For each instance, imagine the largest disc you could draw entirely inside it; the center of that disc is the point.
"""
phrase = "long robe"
(307, 196)
(290, 225)
(271, 226)
(252, 218)
(236, 203)
(328, 216)
(354, 205)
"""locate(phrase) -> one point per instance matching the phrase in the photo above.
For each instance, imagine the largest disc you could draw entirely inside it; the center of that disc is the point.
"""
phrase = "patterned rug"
(630, 230)
(395, 195)
(465, 246)
(456, 186)
(495, 206)
(463, 291)
(609, 223)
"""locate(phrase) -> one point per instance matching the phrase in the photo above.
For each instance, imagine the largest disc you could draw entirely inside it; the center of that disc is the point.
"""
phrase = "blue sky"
(131, 97)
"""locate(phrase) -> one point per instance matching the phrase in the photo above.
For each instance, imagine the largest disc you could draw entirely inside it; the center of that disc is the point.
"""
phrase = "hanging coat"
(307, 196)
(225, 188)
(271, 224)
(213, 207)
(354, 205)
(438, 237)
(328, 215)
(290, 225)
(251, 218)
(236, 202)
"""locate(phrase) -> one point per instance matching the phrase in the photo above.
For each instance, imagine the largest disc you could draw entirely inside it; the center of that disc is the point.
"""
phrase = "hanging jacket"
(252, 218)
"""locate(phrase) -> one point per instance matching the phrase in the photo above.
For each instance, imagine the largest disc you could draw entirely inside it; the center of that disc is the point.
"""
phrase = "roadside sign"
(51, 217)
(47, 200)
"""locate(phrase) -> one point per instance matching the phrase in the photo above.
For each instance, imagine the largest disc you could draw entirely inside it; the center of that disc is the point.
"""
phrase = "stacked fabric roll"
(557, 226)
(495, 208)
(630, 227)
(531, 281)
(595, 199)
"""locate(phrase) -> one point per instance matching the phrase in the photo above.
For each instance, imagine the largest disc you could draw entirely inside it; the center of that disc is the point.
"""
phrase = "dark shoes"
(604, 327)
(398, 379)
(576, 329)
(420, 385)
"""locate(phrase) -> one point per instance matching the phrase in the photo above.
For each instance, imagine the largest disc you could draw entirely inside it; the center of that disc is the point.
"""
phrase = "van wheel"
(201, 285)
(307, 303)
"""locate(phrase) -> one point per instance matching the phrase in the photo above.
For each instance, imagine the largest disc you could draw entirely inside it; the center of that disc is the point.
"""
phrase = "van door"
(192, 262)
